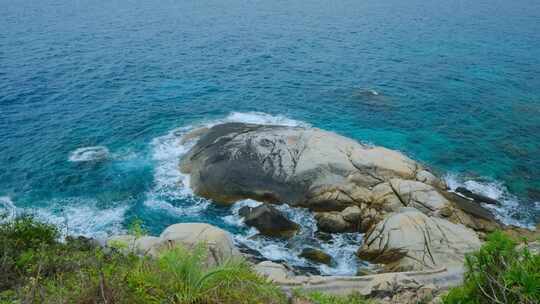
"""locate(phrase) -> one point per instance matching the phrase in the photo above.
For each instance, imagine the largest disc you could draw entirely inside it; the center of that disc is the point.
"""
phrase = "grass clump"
(180, 276)
(37, 268)
(500, 273)
(317, 297)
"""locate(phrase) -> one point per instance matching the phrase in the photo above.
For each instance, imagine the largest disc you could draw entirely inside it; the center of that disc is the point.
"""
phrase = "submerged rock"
(269, 221)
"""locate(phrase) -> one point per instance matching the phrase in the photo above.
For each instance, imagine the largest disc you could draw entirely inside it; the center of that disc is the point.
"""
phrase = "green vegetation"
(317, 297)
(500, 272)
(37, 268)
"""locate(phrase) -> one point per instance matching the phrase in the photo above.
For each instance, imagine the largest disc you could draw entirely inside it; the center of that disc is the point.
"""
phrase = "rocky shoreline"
(414, 227)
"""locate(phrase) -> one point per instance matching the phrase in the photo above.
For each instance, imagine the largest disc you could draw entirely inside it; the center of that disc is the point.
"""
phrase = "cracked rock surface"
(411, 221)
(305, 167)
(410, 240)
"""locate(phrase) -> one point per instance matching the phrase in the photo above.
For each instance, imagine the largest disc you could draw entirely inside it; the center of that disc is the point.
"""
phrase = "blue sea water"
(453, 84)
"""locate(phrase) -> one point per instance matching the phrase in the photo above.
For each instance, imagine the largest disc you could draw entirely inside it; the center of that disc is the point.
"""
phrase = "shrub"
(499, 272)
(37, 268)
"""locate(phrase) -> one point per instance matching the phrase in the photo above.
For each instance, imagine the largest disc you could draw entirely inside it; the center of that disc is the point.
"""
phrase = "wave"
(8, 210)
(341, 247)
(78, 216)
(87, 154)
(172, 193)
(510, 211)
(171, 188)
(73, 216)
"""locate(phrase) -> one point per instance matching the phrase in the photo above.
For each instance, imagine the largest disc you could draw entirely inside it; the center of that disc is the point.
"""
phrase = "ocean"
(94, 97)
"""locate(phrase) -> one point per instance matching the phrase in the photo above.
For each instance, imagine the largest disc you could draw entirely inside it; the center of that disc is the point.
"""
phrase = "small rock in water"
(476, 197)
(269, 221)
(316, 256)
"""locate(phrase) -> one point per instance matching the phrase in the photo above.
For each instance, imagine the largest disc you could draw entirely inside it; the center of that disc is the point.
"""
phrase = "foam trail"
(510, 204)
(86, 154)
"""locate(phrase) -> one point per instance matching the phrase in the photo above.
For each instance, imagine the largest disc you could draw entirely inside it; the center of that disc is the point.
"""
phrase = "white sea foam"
(510, 204)
(74, 216)
(172, 188)
(341, 248)
(78, 216)
(8, 209)
(263, 119)
(86, 154)
(172, 193)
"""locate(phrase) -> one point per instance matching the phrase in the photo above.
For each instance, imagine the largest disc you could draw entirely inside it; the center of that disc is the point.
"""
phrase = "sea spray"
(88, 154)
(509, 207)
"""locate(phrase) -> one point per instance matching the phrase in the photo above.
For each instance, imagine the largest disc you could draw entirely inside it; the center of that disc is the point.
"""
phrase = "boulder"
(316, 256)
(269, 221)
(188, 235)
(352, 214)
(410, 240)
(351, 219)
(476, 197)
(333, 222)
(301, 166)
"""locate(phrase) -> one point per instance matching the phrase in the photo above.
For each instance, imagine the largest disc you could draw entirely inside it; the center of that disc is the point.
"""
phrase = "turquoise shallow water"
(454, 84)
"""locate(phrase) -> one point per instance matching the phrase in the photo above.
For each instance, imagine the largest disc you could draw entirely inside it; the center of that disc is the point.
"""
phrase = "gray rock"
(269, 221)
(305, 167)
(477, 197)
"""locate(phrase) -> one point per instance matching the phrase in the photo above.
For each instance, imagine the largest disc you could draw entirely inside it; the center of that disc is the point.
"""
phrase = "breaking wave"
(510, 211)
(87, 154)
(7, 208)
(171, 192)
(73, 216)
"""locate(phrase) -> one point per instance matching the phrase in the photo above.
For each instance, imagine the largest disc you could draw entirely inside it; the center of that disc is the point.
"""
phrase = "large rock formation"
(300, 166)
(188, 235)
(349, 185)
(410, 240)
(305, 167)
(320, 170)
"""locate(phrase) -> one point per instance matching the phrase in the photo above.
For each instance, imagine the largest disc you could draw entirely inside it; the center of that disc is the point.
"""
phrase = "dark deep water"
(453, 84)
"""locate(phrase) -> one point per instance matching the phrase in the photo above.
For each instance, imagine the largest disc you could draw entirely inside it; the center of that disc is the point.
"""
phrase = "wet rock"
(323, 236)
(269, 221)
(193, 134)
(316, 256)
(477, 197)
